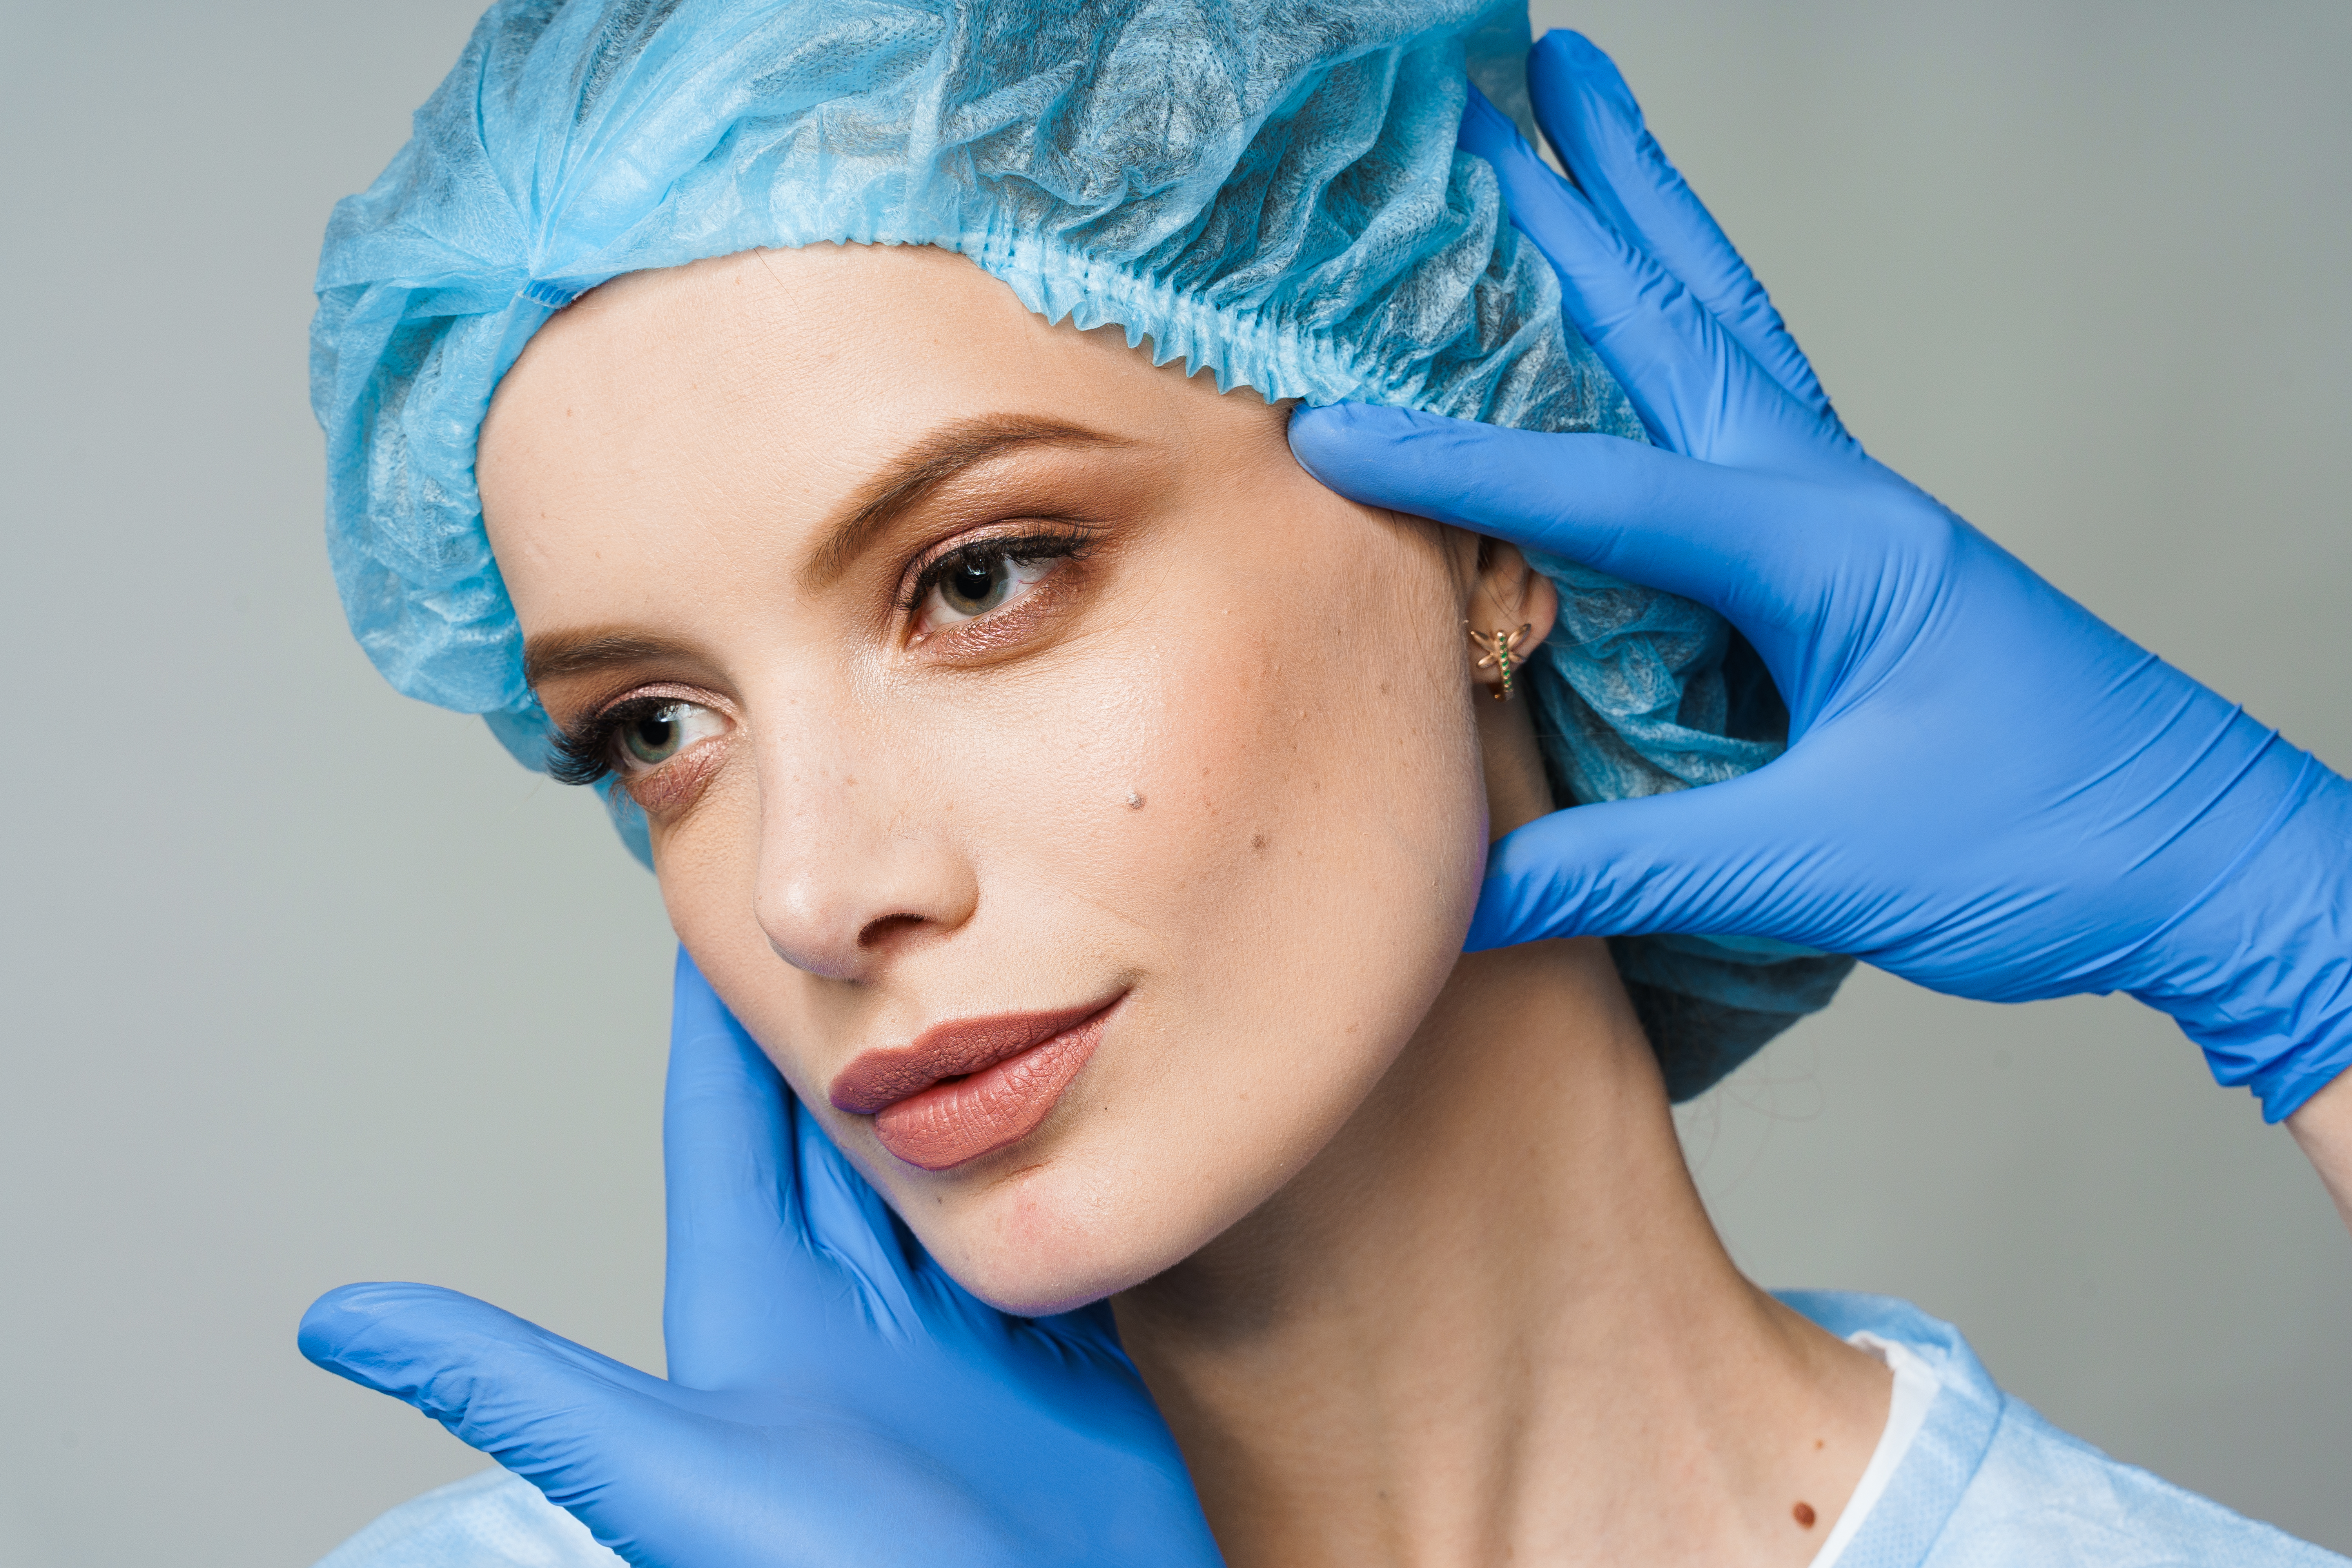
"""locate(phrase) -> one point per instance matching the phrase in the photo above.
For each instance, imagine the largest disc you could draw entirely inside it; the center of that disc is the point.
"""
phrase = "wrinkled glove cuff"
(2258, 971)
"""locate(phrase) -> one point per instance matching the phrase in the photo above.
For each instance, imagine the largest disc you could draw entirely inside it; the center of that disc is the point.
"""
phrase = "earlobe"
(1506, 649)
(1512, 609)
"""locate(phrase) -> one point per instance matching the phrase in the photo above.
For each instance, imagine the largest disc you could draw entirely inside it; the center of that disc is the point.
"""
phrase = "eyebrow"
(918, 472)
(923, 469)
(558, 656)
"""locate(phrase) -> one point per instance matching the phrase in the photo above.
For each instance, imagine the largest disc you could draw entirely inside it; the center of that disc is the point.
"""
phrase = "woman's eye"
(976, 582)
(653, 738)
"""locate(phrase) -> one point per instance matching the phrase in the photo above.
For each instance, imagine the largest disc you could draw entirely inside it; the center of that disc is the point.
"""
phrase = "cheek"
(707, 865)
(1307, 775)
(708, 862)
(1256, 802)
(1288, 900)
(1240, 770)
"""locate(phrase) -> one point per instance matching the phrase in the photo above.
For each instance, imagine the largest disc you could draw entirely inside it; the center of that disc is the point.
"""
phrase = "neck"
(1491, 1322)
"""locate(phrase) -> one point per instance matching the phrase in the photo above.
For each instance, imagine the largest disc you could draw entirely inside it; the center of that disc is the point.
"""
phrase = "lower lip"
(950, 1123)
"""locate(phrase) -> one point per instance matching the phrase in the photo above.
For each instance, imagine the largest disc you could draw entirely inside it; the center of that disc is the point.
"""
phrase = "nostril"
(878, 931)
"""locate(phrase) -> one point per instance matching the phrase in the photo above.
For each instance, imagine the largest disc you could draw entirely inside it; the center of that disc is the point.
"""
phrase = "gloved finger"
(849, 1221)
(533, 1401)
(631, 1456)
(1646, 327)
(740, 1268)
(772, 1229)
(1631, 510)
(1744, 858)
(1591, 118)
(1695, 388)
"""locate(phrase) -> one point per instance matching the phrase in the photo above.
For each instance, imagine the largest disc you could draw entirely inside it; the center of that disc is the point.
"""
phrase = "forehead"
(829, 354)
(684, 422)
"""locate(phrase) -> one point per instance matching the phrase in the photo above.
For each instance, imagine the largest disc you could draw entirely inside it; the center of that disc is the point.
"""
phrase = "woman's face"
(1079, 803)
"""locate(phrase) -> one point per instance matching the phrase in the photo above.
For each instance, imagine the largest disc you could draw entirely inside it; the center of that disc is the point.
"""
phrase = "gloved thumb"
(534, 1401)
(1637, 512)
(1728, 859)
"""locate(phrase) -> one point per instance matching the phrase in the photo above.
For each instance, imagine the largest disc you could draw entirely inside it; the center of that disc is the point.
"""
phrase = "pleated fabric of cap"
(1268, 190)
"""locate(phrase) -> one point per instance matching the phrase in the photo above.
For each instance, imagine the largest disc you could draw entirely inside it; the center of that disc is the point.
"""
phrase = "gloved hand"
(1986, 790)
(833, 1396)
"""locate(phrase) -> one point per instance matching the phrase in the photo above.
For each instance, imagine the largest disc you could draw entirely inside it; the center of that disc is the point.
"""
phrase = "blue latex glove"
(1986, 790)
(833, 1396)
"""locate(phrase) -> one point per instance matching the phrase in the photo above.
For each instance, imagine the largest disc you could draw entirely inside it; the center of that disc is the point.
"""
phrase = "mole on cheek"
(1804, 1515)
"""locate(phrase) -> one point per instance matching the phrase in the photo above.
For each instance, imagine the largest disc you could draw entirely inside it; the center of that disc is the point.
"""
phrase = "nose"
(855, 864)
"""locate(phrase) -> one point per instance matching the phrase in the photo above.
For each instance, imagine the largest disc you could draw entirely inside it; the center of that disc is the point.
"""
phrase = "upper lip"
(956, 1048)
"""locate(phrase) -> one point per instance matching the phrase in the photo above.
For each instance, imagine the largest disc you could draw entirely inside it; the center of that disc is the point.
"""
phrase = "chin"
(1167, 1138)
(1050, 1238)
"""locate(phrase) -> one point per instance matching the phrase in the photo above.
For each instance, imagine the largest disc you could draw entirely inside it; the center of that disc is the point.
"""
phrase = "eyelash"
(583, 754)
(1061, 541)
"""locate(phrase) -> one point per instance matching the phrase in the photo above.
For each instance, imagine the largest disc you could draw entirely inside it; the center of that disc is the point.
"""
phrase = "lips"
(971, 1086)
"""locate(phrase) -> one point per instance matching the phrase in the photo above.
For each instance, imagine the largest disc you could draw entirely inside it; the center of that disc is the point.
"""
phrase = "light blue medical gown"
(1986, 1483)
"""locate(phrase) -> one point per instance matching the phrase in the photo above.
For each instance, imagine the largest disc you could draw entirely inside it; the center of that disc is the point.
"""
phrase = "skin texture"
(2322, 1128)
(1405, 1246)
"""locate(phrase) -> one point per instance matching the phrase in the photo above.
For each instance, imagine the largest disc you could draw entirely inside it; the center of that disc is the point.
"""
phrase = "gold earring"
(1501, 649)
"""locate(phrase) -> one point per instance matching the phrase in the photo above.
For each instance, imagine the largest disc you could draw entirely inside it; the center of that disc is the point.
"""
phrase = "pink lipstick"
(969, 1087)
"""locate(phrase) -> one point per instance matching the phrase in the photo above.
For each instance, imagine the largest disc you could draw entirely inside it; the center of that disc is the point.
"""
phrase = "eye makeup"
(971, 596)
(992, 581)
(638, 734)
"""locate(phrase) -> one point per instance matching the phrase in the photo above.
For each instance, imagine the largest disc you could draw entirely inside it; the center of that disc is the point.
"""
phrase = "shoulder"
(1989, 1483)
(2046, 1496)
(491, 1520)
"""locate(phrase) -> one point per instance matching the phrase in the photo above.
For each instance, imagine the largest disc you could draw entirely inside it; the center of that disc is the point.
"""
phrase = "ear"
(1507, 594)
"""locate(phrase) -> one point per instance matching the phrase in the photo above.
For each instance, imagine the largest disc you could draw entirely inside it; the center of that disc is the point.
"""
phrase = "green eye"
(984, 579)
(654, 738)
(977, 585)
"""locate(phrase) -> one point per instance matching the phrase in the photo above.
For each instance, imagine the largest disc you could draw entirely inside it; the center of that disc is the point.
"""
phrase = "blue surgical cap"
(1268, 190)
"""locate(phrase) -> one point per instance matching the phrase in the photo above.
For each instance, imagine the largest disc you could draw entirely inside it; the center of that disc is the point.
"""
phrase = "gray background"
(309, 983)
